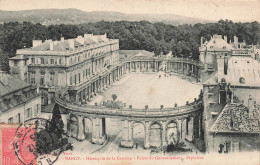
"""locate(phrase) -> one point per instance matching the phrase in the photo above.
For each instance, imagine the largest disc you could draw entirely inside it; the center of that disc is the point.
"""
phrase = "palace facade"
(65, 63)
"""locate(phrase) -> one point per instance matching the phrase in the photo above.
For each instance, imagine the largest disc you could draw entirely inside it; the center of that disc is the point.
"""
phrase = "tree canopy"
(183, 40)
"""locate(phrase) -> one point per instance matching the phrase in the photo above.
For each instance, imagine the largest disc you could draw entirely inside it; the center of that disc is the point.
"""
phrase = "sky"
(235, 10)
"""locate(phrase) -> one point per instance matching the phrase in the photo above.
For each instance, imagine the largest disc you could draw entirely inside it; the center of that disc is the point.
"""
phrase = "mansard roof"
(9, 84)
(243, 67)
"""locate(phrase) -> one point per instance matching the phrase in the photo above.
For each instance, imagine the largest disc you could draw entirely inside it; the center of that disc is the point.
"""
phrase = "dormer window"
(211, 47)
(224, 47)
(7, 101)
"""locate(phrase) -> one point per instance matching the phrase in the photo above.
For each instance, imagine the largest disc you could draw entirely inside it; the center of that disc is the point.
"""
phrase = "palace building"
(19, 100)
(65, 63)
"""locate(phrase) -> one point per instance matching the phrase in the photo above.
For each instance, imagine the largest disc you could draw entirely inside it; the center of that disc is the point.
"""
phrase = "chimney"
(201, 41)
(80, 39)
(87, 35)
(251, 106)
(62, 39)
(257, 56)
(71, 43)
(225, 39)
(51, 45)
(236, 41)
(3, 78)
(36, 43)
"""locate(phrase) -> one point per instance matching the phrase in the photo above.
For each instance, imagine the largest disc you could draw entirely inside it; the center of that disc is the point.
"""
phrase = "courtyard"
(149, 89)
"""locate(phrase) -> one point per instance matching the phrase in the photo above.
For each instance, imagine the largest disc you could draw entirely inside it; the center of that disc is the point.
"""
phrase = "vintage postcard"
(129, 82)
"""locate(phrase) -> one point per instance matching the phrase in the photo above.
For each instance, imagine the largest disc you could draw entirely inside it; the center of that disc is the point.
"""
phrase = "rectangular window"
(38, 108)
(52, 61)
(71, 80)
(10, 120)
(60, 61)
(28, 115)
(33, 77)
(75, 79)
(79, 77)
(15, 63)
(42, 60)
(25, 76)
(42, 78)
(35, 110)
(19, 118)
(52, 78)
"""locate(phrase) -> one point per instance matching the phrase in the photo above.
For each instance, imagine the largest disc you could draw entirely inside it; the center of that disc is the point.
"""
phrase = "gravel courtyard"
(139, 90)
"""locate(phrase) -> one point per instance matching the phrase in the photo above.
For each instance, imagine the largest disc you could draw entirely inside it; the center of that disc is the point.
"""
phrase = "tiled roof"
(9, 84)
(64, 45)
(234, 118)
(217, 44)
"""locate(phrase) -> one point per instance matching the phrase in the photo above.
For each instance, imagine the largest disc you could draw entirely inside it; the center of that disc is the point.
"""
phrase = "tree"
(114, 97)
(57, 124)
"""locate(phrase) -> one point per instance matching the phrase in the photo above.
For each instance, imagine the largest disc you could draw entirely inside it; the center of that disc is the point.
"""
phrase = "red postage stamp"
(18, 144)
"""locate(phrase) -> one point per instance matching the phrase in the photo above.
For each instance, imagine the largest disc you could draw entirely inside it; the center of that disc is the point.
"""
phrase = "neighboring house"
(19, 100)
(231, 103)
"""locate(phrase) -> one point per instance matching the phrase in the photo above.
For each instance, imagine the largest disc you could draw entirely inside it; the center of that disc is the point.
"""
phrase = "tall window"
(28, 113)
(79, 77)
(15, 63)
(25, 76)
(35, 110)
(42, 60)
(38, 108)
(19, 118)
(33, 60)
(71, 80)
(60, 61)
(42, 78)
(10, 120)
(52, 78)
(33, 77)
(52, 61)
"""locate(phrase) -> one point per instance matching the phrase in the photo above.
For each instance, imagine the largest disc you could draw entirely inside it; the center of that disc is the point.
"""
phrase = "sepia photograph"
(104, 82)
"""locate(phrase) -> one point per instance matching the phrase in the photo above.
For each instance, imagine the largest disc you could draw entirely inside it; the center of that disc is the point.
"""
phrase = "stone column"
(188, 69)
(146, 134)
(97, 135)
(192, 70)
(127, 138)
(179, 130)
(190, 129)
(81, 125)
(164, 143)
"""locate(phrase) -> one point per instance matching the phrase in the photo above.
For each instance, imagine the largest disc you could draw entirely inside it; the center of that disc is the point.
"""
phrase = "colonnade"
(188, 127)
(186, 67)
